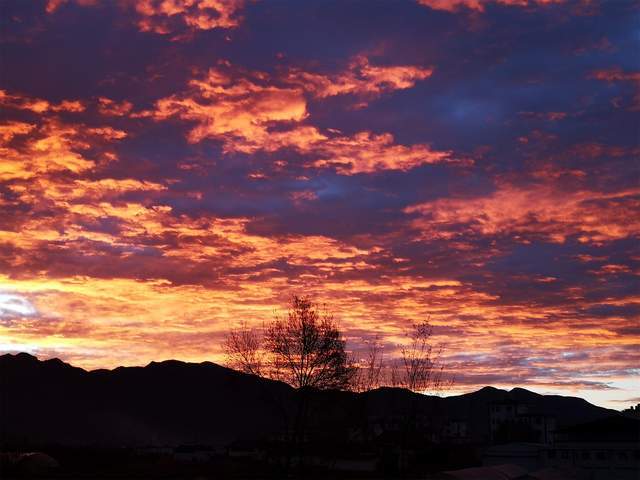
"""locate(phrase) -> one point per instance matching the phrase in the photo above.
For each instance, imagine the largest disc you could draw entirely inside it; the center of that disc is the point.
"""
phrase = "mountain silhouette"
(174, 403)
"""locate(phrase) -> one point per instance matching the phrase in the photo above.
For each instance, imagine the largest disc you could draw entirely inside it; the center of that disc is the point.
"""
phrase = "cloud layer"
(170, 168)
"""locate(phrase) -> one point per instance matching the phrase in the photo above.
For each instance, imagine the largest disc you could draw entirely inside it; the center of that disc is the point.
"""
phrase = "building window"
(601, 455)
(564, 454)
(586, 455)
(551, 454)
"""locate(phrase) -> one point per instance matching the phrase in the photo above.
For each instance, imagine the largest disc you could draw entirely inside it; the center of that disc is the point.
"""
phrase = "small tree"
(370, 371)
(307, 349)
(243, 348)
(304, 349)
(420, 367)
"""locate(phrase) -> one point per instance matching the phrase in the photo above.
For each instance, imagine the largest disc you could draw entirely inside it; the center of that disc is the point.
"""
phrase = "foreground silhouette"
(199, 411)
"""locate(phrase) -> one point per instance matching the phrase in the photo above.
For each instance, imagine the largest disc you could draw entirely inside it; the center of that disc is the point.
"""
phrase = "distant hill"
(172, 402)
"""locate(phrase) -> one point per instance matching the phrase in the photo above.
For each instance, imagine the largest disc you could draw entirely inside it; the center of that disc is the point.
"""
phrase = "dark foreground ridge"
(189, 408)
(173, 402)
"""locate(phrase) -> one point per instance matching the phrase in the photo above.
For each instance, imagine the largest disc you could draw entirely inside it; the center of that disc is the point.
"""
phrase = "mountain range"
(174, 403)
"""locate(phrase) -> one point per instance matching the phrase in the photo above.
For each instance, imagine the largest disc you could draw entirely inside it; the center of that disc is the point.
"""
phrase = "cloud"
(399, 165)
(52, 147)
(161, 16)
(534, 211)
(107, 106)
(613, 75)
(360, 79)
(11, 129)
(166, 17)
(53, 5)
(37, 105)
(366, 152)
(242, 107)
(250, 111)
(51, 151)
(14, 306)
(231, 109)
(479, 5)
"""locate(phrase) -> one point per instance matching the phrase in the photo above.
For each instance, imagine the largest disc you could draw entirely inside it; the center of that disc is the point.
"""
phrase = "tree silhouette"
(305, 349)
(243, 348)
(420, 367)
(370, 373)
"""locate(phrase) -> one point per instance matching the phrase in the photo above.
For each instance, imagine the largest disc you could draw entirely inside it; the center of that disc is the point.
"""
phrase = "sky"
(170, 168)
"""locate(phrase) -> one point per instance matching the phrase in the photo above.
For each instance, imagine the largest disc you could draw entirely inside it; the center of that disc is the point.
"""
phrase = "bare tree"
(395, 378)
(243, 348)
(370, 370)
(307, 348)
(420, 367)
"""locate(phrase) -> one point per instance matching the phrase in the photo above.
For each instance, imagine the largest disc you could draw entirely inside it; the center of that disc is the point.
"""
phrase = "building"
(455, 431)
(511, 421)
(633, 411)
(600, 450)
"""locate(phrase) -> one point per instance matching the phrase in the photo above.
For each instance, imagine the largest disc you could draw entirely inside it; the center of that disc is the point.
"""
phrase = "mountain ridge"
(176, 402)
(169, 362)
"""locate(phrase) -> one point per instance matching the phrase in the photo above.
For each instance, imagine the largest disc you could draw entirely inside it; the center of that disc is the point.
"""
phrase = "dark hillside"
(172, 403)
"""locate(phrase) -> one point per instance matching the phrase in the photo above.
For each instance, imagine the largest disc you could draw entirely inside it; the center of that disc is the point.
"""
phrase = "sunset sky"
(169, 168)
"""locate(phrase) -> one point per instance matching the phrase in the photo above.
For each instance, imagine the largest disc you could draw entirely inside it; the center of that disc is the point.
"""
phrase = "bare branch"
(421, 367)
(243, 349)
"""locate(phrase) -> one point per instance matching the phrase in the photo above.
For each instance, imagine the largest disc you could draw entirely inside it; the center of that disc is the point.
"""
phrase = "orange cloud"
(366, 152)
(615, 75)
(479, 5)
(362, 152)
(11, 129)
(54, 150)
(52, 147)
(128, 257)
(361, 78)
(106, 106)
(301, 197)
(227, 272)
(87, 318)
(539, 210)
(157, 15)
(170, 16)
(108, 133)
(37, 105)
(231, 109)
(619, 75)
(97, 190)
(53, 5)
(242, 112)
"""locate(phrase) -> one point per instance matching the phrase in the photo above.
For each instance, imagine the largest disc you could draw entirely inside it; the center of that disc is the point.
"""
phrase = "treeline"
(306, 349)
